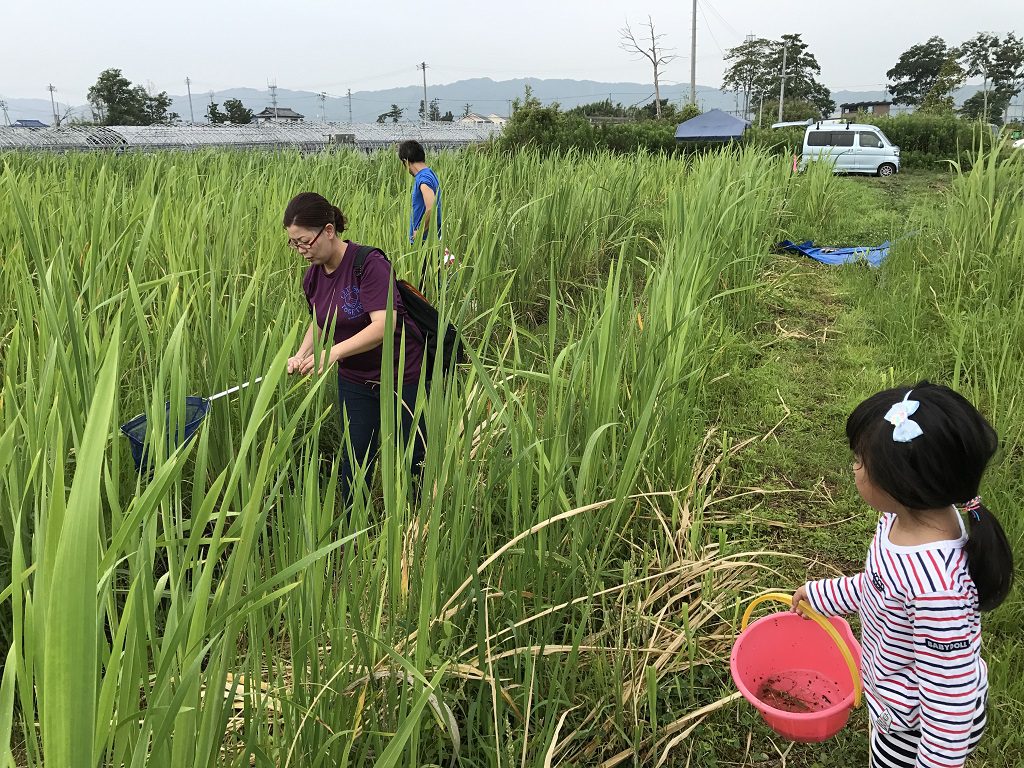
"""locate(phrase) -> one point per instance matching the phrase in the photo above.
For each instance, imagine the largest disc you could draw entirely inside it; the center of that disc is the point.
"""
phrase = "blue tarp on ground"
(873, 255)
(713, 125)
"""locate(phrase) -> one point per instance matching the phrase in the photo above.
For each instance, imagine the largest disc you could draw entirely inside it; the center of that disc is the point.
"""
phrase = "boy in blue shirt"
(426, 191)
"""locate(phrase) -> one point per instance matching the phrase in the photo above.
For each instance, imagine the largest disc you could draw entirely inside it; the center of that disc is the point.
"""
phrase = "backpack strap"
(357, 269)
(361, 253)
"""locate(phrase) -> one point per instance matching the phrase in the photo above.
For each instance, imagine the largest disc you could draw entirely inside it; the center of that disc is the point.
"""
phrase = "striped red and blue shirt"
(920, 638)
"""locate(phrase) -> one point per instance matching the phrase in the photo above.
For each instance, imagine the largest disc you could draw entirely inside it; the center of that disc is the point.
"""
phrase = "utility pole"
(3, 106)
(423, 66)
(191, 114)
(350, 106)
(56, 119)
(782, 82)
(273, 97)
(760, 108)
(323, 107)
(693, 56)
(746, 91)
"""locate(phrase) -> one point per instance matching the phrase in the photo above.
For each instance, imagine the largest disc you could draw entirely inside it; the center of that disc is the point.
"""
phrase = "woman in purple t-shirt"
(357, 308)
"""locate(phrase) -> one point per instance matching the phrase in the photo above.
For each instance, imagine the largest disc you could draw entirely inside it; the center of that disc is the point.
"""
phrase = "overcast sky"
(332, 46)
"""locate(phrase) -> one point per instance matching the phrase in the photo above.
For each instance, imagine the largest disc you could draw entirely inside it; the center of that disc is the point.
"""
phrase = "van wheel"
(886, 169)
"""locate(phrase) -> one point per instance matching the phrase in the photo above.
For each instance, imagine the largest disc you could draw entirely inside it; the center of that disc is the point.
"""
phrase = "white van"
(851, 148)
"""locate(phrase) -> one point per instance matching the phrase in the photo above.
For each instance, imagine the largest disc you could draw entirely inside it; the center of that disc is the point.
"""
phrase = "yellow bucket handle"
(822, 622)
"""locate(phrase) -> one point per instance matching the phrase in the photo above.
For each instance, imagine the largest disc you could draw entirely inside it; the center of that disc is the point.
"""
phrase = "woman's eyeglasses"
(299, 245)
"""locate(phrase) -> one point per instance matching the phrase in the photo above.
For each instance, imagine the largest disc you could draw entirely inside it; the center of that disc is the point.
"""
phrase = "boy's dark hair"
(940, 467)
(309, 209)
(412, 151)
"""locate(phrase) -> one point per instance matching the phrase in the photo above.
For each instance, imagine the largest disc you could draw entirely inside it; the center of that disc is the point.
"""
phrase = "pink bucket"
(802, 676)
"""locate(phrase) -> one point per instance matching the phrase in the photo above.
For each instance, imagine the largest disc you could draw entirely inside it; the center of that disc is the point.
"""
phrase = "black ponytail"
(311, 210)
(989, 557)
(939, 468)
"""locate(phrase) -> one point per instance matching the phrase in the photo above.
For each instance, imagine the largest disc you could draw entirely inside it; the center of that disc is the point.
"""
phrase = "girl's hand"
(800, 596)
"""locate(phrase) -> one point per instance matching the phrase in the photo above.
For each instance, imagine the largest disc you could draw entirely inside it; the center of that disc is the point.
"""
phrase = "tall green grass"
(554, 592)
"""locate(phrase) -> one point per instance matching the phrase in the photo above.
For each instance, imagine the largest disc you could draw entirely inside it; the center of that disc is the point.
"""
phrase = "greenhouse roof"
(305, 136)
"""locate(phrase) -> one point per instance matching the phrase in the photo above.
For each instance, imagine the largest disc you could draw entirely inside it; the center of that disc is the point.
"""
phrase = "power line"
(721, 18)
(708, 25)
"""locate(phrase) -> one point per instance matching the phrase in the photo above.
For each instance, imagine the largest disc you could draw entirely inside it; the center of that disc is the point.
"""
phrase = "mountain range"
(482, 95)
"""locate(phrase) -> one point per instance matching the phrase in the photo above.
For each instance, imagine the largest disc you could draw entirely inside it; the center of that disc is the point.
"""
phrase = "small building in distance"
(854, 108)
(474, 119)
(29, 124)
(277, 115)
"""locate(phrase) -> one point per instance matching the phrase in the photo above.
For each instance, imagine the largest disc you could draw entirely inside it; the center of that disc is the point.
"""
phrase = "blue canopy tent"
(713, 125)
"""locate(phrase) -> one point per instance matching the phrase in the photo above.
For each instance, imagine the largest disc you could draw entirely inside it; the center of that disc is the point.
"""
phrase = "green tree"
(999, 63)
(756, 71)
(793, 111)
(1011, 69)
(214, 115)
(939, 99)
(987, 106)
(237, 112)
(448, 117)
(599, 109)
(394, 114)
(529, 102)
(746, 72)
(115, 101)
(980, 56)
(433, 111)
(916, 71)
(157, 108)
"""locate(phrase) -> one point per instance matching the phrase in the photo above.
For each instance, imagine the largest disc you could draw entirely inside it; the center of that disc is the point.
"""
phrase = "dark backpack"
(424, 319)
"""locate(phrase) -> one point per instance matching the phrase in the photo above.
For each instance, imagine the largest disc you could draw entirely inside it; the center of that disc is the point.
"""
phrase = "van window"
(830, 139)
(869, 139)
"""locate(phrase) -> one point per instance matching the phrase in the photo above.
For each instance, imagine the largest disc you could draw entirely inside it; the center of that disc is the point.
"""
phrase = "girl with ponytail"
(938, 559)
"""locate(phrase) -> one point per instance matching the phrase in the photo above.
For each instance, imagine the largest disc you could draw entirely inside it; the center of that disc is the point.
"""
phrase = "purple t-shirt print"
(348, 300)
(341, 298)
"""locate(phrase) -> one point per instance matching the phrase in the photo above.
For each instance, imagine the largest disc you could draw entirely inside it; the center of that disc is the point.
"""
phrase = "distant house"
(474, 119)
(497, 119)
(277, 115)
(854, 108)
(29, 124)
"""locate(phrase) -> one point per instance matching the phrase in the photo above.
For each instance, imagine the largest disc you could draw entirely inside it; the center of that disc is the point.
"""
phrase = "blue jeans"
(361, 404)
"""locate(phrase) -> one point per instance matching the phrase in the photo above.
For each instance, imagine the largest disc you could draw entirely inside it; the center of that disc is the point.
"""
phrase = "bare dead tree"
(657, 54)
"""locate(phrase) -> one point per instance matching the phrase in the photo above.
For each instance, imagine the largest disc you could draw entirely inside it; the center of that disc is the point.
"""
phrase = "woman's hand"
(800, 596)
(296, 363)
(327, 359)
(307, 364)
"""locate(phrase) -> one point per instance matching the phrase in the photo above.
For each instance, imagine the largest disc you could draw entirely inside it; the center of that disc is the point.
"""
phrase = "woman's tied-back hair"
(940, 467)
(311, 210)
